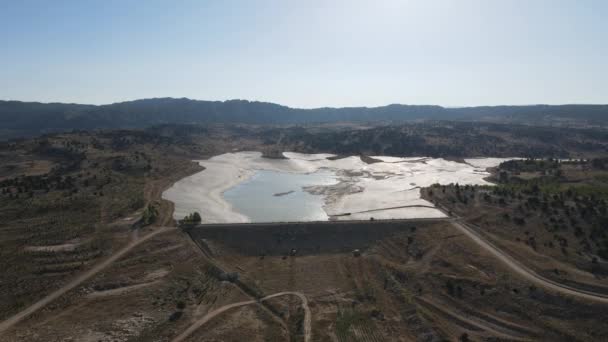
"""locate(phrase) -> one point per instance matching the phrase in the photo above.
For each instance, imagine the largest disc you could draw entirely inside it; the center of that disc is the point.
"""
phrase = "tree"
(503, 177)
(196, 217)
(149, 215)
(450, 287)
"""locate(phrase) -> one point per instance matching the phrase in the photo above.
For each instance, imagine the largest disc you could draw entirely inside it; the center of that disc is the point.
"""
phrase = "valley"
(303, 171)
(465, 272)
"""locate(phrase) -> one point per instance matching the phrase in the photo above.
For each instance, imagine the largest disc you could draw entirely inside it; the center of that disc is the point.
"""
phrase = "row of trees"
(193, 218)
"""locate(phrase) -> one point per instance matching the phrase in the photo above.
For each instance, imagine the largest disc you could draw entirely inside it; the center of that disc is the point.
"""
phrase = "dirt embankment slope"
(304, 238)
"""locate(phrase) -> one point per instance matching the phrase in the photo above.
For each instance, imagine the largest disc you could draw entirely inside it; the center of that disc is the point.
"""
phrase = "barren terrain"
(91, 252)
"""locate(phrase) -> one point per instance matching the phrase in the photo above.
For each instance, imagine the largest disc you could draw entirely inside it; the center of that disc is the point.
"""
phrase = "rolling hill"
(32, 118)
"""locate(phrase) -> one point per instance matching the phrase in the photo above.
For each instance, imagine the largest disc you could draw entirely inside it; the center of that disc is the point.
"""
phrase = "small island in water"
(279, 194)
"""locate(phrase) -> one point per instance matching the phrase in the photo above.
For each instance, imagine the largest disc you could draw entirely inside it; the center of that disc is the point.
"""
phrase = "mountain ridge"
(19, 118)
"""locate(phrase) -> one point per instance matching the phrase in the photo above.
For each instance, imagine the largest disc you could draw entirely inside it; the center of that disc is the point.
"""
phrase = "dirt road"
(524, 271)
(498, 329)
(10, 322)
(214, 313)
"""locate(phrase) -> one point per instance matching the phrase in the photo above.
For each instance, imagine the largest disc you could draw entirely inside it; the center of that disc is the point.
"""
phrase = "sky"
(308, 53)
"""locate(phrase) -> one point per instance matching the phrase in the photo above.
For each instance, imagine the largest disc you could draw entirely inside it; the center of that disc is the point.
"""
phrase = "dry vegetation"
(550, 215)
(422, 283)
(60, 220)
(70, 201)
(417, 282)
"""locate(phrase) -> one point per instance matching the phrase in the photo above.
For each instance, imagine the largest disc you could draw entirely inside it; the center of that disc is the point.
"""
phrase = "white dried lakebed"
(245, 187)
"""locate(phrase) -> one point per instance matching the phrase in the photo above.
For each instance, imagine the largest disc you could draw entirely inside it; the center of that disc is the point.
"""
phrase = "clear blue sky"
(307, 53)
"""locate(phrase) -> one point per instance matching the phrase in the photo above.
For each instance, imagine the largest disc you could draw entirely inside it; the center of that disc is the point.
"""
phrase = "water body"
(271, 196)
(246, 187)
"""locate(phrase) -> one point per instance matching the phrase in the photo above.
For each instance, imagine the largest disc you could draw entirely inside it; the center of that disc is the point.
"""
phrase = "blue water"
(255, 198)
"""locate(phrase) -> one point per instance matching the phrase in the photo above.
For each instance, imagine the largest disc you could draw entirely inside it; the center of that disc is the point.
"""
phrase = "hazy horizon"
(307, 55)
(319, 107)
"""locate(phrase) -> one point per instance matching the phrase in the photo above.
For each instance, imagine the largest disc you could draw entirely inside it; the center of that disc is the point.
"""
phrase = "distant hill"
(32, 118)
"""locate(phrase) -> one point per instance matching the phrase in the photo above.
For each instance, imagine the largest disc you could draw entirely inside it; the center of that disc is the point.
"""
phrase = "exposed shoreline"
(386, 189)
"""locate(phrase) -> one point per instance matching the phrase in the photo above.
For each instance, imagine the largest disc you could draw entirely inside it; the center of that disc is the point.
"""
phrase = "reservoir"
(272, 196)
(245, 187)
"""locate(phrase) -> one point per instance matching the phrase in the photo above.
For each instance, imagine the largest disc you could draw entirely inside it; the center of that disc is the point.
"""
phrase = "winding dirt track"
(214, 313)
(512, 263)
(476, 323)
(524, 271)
(10, 322)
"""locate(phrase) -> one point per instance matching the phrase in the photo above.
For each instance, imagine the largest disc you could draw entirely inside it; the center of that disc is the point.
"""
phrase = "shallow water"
(279, 196)
(241, 187)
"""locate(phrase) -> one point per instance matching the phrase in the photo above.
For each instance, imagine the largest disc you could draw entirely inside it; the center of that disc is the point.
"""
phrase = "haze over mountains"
(31, 118)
